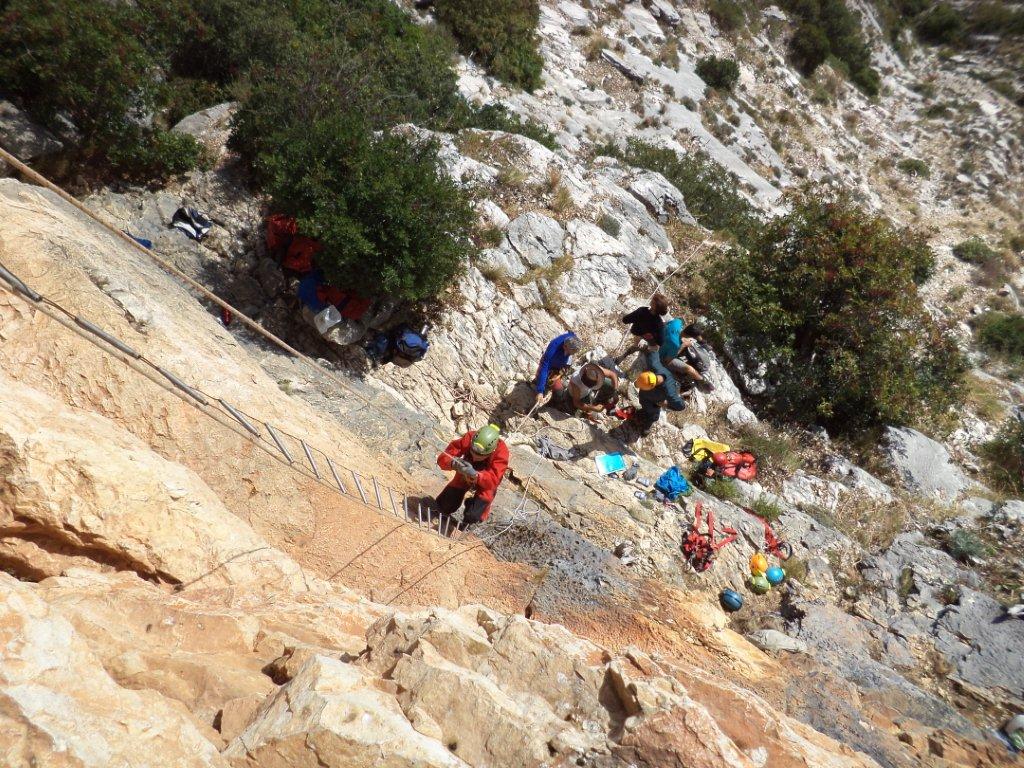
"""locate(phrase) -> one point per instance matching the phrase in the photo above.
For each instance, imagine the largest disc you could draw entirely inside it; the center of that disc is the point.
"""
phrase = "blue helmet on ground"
(775, 575)
(731, 600)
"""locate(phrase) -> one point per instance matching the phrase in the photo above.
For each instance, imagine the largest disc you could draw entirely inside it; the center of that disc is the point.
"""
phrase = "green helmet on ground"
(485, 441)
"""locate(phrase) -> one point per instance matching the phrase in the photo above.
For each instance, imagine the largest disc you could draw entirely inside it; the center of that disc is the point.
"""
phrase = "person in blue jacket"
(555, 364)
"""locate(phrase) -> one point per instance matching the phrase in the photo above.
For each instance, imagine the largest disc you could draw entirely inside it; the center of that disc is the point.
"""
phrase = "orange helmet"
(758, 564)
(646, 381)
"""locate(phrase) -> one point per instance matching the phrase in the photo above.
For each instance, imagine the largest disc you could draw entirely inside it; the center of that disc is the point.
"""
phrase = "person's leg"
(475, 511)
(451, 497)
(680, 369)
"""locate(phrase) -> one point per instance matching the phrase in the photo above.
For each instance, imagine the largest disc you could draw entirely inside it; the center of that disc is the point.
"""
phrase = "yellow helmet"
(646, 380)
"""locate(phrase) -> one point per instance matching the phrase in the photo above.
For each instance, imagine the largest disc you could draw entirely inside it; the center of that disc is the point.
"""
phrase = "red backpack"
(739, 464)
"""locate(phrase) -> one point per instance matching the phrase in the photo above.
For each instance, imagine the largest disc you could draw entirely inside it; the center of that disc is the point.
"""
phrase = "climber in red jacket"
(479, 460)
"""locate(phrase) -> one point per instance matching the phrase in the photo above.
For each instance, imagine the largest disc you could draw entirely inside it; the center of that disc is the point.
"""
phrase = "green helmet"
(485, 441)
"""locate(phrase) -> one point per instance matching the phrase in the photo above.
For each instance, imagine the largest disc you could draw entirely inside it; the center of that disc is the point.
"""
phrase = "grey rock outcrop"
(536, 238)
(924, 465)
(23, 138)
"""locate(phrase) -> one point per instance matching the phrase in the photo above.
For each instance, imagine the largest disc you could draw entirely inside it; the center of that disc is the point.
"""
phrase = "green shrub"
(914, 167)
(996, 18)
(390, 221)
(75, 60)
(826, 297)
(728, 14)
(1004, 456)
(829, 28)
(720, 74)
(1002, 334)
(763, 506)
(500, 34)
(155, 155)
(965, 546)
(218, 41)
(495, 117)
(942, 24)
(721, 488)
(974, 250)
(709, 190)
(809, 48)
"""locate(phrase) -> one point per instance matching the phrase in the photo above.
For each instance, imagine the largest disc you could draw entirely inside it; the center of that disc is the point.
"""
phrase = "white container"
(327, 319)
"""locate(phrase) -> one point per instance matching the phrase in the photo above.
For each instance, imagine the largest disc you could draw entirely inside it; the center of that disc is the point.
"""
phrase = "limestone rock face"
(56, 700)
(331, 715)
(122, 504)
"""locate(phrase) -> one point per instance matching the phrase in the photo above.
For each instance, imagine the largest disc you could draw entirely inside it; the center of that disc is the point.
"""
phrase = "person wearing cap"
(555, 364)
(593, 389)
(658, 389)
(479, 459)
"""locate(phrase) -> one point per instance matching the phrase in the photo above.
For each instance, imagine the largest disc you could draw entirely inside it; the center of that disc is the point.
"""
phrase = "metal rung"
(394, 504)
(182, 385)
(281, 446)
(337, 479)
(419, 513)
(241, 419)
(309, 456)
(111, 340)
(376, 492)
(359, 486)
(444, 525)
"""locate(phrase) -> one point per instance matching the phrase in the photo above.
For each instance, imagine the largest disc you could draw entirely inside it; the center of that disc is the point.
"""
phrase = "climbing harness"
(772, 544)
(700, 549)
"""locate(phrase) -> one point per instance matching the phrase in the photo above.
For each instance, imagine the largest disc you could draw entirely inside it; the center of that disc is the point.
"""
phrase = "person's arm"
(455, 449)
(488, 480)
(544, 369)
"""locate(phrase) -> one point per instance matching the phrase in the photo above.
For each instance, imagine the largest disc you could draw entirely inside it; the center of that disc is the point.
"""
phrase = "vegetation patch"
(825, 303)
(727, 14)
(966, 546)
(1002, 334)
(974, 251)
(914, 167)
(828, 28)
(719, 73)
(500, 34)
(1005, 457)
(709, 190)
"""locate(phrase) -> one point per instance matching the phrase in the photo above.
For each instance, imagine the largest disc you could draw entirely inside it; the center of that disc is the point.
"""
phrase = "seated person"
(593, 389)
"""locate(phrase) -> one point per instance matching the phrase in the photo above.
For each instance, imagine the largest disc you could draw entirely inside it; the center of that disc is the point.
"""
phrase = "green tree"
(391, 222)
(500, 34)
(826, 299)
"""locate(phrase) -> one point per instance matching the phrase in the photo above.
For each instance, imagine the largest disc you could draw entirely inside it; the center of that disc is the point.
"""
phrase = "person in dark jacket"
(554, 366)
(645, 324)
(658, 389)
(479, 460)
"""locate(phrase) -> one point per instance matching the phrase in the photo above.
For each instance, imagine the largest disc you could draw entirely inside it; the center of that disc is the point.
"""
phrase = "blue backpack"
(673, 484)
(410, 344)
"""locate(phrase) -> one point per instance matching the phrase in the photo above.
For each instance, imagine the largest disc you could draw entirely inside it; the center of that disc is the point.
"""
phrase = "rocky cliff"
(177, 594)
